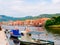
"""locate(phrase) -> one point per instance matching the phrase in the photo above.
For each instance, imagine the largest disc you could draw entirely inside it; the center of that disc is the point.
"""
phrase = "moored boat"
(26, 39)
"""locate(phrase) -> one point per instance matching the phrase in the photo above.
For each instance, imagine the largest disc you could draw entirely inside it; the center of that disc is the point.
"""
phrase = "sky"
(21, 8)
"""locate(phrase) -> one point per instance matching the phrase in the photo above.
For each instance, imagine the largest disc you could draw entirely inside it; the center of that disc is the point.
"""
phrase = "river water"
(41, 33)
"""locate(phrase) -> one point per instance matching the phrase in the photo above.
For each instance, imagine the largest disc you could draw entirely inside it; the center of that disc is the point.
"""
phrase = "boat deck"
(42, 42)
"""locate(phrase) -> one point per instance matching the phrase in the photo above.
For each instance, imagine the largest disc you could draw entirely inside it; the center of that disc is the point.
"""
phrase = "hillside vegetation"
(53, 25)
(8, 18)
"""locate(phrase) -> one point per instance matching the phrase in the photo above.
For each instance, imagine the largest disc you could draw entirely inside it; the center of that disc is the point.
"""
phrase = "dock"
(3, 38)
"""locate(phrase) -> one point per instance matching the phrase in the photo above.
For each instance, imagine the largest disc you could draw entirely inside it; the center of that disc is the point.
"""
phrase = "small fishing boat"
(26, 39)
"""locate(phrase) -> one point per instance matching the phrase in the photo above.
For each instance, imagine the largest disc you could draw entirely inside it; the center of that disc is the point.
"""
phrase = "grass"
(54, 26)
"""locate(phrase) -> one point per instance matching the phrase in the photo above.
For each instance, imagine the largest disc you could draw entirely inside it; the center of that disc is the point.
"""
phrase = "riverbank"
(54, 26)
(53, 29)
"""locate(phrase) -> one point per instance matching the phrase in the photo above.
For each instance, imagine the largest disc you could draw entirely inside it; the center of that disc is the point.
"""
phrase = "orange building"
(18, 22)
(37, 22)
(29, 22)
(40, 22)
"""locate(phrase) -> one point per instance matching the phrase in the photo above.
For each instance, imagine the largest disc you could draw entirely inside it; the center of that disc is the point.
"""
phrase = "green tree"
(58, 20)
(49, 22)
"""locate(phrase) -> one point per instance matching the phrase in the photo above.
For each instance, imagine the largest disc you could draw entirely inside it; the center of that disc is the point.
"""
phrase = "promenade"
(3, 39)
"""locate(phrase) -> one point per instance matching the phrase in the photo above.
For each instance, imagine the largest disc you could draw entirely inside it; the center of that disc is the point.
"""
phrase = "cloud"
(55, 1)
(22, 8)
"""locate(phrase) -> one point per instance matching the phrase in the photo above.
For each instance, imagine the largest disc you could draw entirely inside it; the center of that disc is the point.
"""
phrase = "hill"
(8, 18)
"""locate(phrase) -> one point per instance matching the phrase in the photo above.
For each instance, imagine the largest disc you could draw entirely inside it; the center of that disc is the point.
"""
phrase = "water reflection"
(55, 35)
(53, 30)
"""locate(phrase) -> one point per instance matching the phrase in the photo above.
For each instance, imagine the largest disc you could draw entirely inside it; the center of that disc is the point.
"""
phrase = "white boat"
(26, 39)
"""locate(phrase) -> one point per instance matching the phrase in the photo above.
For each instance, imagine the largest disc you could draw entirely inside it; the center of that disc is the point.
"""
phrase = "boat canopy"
(36, 32)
